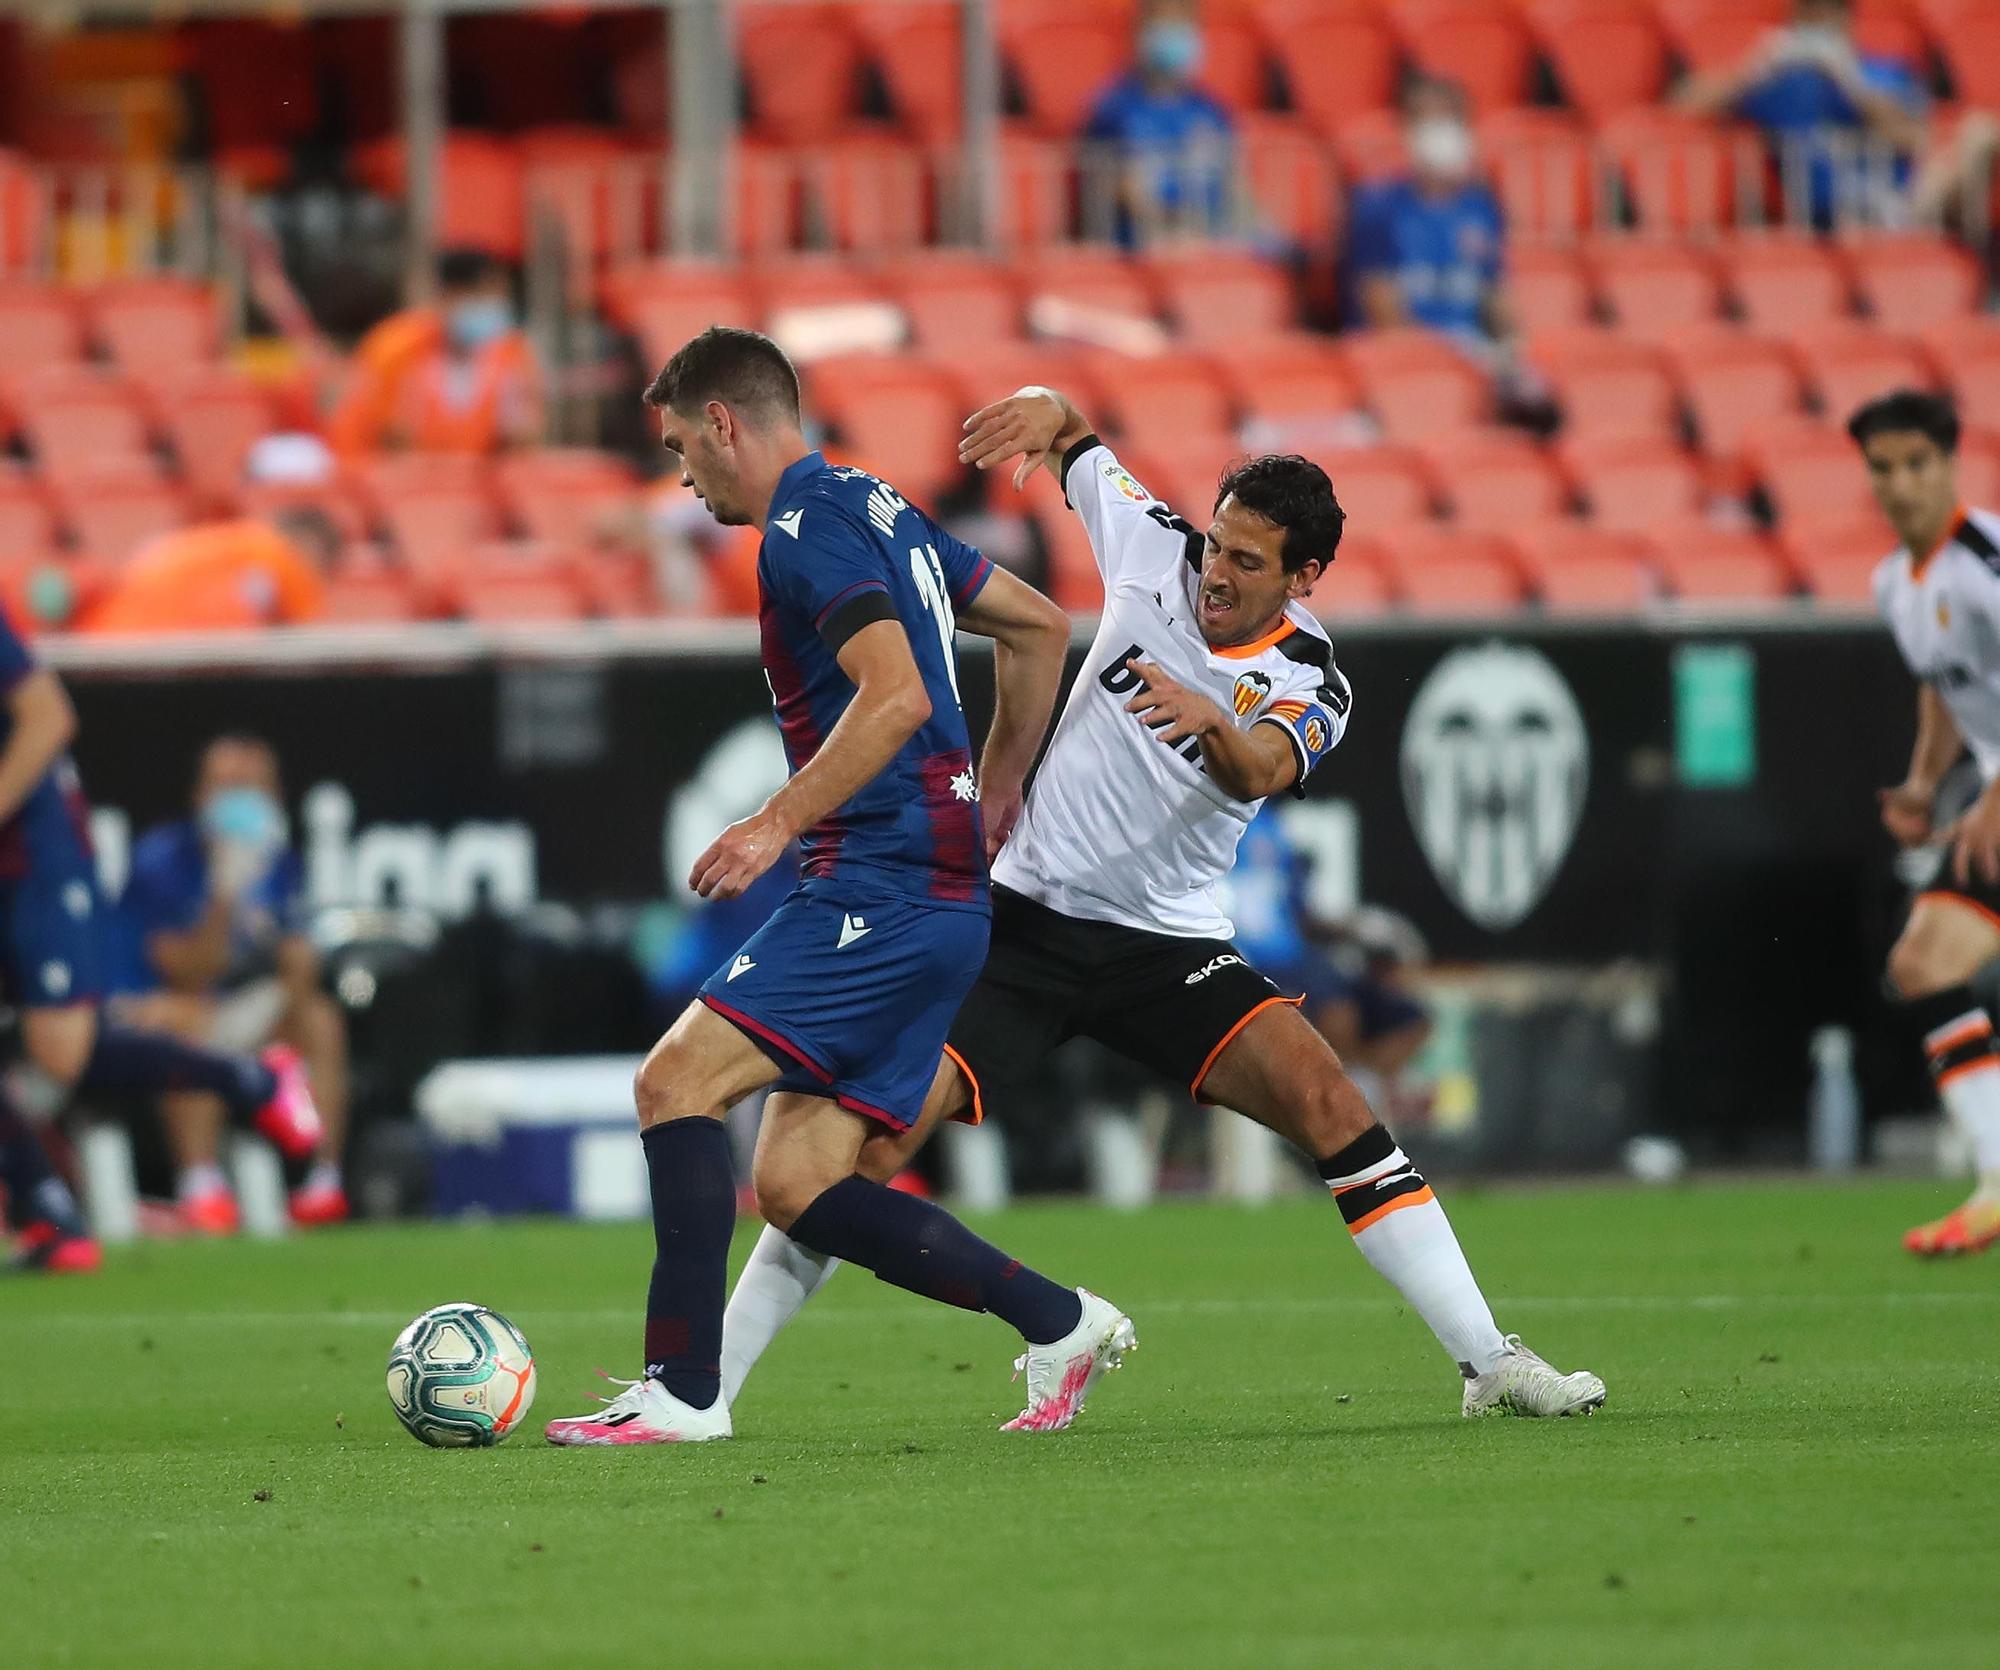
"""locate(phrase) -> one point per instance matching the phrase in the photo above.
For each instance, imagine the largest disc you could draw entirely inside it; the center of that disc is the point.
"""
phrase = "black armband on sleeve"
(862, 609)
(1069, 459)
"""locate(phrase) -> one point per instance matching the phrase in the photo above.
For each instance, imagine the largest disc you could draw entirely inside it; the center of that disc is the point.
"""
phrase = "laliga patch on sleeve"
(1116, 474)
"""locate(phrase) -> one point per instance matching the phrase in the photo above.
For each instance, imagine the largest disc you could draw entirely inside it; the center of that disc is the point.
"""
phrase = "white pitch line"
(1329, 1304)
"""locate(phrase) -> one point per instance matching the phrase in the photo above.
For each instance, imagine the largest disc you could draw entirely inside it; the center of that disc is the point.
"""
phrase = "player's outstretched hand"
(1023, 425)
(1906, 814)
(1171, 711)
(1975, 844)
(738, 856)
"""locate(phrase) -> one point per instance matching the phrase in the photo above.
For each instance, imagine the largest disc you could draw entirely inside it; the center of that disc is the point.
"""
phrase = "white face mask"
(1442, 145)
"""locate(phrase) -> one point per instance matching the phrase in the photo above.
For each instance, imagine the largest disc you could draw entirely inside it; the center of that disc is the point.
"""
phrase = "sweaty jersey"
(841, 551)
(50, 828)
(1945, 614)
(1120, 826)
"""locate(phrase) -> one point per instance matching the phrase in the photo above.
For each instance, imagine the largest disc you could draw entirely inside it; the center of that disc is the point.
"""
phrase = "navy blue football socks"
(152, 1063)
(694, 1212)
(35, 1194)
(925, 1250)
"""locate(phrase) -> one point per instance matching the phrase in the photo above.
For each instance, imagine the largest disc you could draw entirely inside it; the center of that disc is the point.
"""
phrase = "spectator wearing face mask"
(1426, 247)
(458, 377)
(1169, 140)
(217, 954)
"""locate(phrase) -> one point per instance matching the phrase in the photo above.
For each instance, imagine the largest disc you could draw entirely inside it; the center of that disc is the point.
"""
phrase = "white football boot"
(1061, 1374)
(1522, 1384)
(644, 1413)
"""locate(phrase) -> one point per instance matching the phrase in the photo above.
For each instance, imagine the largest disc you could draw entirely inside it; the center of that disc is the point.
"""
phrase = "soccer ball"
(461, 1376)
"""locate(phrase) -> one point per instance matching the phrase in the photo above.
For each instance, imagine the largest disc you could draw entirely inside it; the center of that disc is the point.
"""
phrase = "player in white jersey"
(1940, 593)
(1209, 687)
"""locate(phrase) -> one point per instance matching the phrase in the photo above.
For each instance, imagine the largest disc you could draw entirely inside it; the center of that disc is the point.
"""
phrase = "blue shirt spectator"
(1173, 139)
(1441, 248)
(170, 889)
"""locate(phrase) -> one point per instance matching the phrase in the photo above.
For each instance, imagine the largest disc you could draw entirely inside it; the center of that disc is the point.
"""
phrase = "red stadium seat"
(1540, 163)
(1373, 145)
(1062, 60)
(1379, 487)
(1810, 473)
(1837, 559)
(1213, 294)
(1549, 288)
(435, 527)
(900, 415)
(1352, 587)
(1974, 381)
(867, 193)
(1608, 57)
(1630, 486)
(1706, 564)
(951, 299)
(667, 303)
(1889, 29)
(212, 420)
(1334, 65)
(1483, 48)
(1294, 386)
(1089, 277)
(983, 372)
(26, 213)
(564, 497)
(111, 514)
(917, 49)
(1291, 179)
(1580, 569)
(1908, 283)
(379, 596)
(1848, 363)
(1611, 388)
(1233, 66)
(80, 422)
(1969, 39)
(801, 66)
(481, 189)
(767, 203)
(1443, 570)
(27, 523)
(1150, 401)
(1496, 481)
(1712, 33)
(39, 330)
(1037, 190)
(507, 582)
(1653, 288)
(1681, 173)
(153, 324)
(1733, 382)
(1417, 383)
(1780, 279)
(1075, 580)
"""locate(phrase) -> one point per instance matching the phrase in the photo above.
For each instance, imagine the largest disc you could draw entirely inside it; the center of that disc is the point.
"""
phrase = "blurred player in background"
(1210, 686)
(1940, 593)
(50, 941)
(842, 999)
(218, 954)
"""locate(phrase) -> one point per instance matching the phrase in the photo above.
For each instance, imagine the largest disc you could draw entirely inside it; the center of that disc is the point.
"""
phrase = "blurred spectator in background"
(223, 576)
(216, 952)
(457, 377)
(1848, 127)
(1171, 142)
(1428, 248)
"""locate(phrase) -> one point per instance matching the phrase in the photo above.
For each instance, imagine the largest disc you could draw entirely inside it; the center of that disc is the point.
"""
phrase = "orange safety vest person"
(381, 365)
(477, 403)
(211, 578)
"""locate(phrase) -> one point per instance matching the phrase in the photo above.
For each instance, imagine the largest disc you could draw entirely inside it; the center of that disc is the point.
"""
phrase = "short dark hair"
(464, 267)
(1907, 409)
(311, 529)
(1293, 493)
(726, 363)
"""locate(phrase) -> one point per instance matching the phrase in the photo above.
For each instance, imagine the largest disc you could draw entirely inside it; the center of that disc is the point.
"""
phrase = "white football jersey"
(1120, 826)
(1945, 614)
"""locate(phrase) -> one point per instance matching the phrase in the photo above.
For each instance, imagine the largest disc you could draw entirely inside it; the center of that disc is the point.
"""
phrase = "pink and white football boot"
(290, 1119)
(1060, 1375)
(644, 1413)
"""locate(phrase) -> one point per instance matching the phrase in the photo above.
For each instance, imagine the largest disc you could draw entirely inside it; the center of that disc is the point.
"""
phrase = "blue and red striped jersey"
(841, 551)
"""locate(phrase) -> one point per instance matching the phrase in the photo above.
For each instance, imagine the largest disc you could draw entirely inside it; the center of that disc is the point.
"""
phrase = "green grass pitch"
(199, 1467)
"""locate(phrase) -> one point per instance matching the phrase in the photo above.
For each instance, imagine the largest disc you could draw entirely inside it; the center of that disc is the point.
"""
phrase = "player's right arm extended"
(1906, 809)
(1030, 636)
(44, 724)
(889, 704)
(1033, 424)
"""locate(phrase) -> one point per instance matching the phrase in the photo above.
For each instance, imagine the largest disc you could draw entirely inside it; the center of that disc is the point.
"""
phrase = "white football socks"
(779, 1278)
(1966, 1069)
(1402, 1231)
